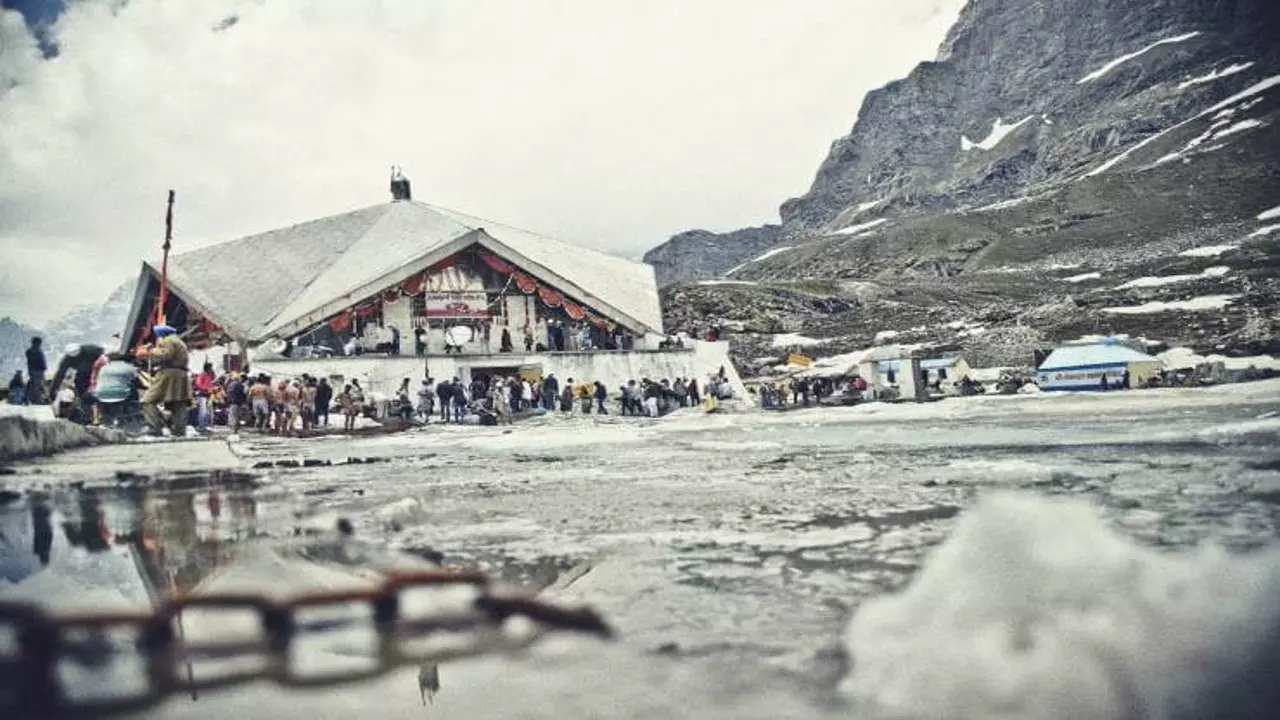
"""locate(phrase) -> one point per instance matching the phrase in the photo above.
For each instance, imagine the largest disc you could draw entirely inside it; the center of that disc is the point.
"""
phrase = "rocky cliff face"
(1031, 93)
(1067, 165)
(699, 254)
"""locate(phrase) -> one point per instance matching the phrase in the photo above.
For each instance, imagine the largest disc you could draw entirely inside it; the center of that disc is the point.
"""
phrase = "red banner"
(526, 284)
(550, 297)
(413, 285)
(341, 323)
(577, 312)
(367, 311)
(498, 264)
(456, 305)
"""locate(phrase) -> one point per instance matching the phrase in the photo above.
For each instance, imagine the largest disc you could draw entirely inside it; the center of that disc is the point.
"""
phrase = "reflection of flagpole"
(164, 261)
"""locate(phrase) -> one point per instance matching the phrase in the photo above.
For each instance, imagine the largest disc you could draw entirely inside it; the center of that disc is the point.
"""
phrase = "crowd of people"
(499, 399)
(99, 387)
(803, 391)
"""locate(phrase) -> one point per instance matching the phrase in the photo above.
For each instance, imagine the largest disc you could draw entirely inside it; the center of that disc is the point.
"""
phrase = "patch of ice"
(999, 131)
(773, 252)
(1126, 58)
(1215, 75)
(1264, 231)
(1270, 214)
(855, 229)
(1082, 277)
(1026, 588)
(1205, 302)
(783, 340)
(1208, 250)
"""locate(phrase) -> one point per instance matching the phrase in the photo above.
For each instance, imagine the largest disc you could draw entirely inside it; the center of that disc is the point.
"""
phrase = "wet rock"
(8, 496)
(312, 462)
(345, 527)
(22, 437)
(288, 464)
(263, 465)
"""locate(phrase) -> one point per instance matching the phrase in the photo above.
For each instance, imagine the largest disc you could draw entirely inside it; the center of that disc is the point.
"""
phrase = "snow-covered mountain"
(99, 324)
(1053, 156)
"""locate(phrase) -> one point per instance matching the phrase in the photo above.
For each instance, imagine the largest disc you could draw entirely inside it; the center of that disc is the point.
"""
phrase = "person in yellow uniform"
(171, 384)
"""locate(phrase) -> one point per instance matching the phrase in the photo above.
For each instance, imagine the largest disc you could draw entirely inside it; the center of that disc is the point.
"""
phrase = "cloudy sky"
(613, 123)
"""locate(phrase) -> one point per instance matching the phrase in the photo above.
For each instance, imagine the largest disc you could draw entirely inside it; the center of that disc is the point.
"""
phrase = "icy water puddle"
(732, 552)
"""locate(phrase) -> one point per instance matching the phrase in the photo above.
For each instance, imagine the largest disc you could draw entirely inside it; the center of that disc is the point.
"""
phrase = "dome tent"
(1082, 367)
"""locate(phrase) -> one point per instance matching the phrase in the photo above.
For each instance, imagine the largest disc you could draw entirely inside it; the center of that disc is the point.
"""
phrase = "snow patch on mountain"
(1126, 58)
(773, 252)
(1215, 75)
(1208, 250)
(855, 229)
(1270, 214)
(1204, 302)
(1216, 271)
(999, 131)
(1082, 277)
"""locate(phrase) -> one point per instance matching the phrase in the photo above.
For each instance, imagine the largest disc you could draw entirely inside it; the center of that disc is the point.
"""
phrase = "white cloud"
(614, 123)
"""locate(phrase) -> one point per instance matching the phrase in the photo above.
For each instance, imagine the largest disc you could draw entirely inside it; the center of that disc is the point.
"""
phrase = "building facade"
(406, 289)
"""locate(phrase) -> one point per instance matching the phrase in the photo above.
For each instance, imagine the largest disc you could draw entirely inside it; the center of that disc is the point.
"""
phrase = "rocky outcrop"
(698, 254)
(1026, 94)
(22, 437)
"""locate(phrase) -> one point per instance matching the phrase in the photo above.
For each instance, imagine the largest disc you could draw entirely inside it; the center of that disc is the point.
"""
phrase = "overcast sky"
(612, 123)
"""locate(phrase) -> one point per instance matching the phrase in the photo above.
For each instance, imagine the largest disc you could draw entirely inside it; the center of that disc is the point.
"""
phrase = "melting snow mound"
(1034, 609)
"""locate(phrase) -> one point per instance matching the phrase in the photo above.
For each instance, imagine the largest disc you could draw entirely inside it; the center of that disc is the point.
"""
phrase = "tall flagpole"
(164, 262)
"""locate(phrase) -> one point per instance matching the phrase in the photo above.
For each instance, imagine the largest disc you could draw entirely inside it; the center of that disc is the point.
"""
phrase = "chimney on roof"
(399, 185)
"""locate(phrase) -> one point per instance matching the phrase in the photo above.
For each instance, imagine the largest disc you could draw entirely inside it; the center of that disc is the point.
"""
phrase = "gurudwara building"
(406, 289)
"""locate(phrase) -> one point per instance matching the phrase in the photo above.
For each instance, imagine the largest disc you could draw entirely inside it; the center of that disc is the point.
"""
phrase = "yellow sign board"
(800, 360)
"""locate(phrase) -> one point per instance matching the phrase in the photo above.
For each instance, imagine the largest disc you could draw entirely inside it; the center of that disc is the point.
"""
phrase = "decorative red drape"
(498, 264)
(414, 285)
(526, 284)
(577, 312)
(341, 323)
(367, 311)
(550, 296)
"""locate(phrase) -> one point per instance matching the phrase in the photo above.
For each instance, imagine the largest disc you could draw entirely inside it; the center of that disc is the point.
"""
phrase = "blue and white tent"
(1083, 367)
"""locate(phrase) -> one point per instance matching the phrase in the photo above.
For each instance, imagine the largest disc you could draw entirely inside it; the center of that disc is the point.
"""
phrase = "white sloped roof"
(1072, 356)
(264, 284)
(627, 286)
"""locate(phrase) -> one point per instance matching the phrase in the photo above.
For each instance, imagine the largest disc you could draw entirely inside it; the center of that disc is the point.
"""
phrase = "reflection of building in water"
(183, 538)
